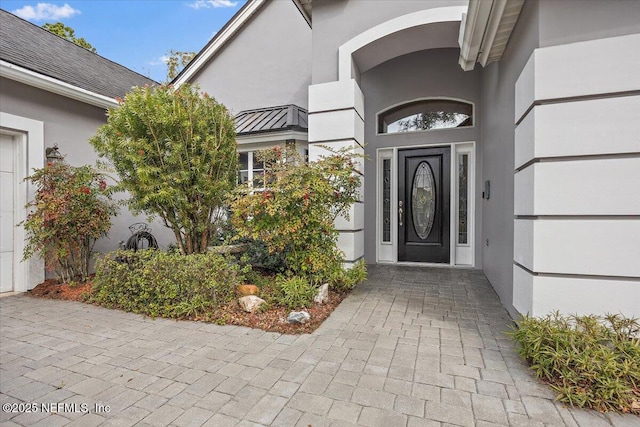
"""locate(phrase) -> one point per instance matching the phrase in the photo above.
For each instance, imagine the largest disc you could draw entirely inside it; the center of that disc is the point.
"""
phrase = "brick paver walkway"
(411, 347)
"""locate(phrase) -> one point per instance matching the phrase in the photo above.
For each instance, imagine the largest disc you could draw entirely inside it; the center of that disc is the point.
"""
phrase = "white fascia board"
(491, 28)
(31, 78)
(219, 41)
(271, 137)
(472, 32)
(503, 18)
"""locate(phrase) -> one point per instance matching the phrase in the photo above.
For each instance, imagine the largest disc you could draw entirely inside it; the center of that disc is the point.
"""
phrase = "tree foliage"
(68, 33)
(176, 61)
(175, 153)
(72, 208)
(430, 120)
(295, 214)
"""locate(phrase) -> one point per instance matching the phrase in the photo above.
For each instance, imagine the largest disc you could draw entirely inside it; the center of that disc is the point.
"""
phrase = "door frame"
(387, 252)
(28, 135)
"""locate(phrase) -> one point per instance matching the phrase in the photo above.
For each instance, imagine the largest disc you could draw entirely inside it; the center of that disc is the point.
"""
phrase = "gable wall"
(267, 63)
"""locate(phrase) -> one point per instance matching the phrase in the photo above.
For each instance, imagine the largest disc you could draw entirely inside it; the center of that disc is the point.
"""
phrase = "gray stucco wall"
(337, 21)
(267, 63)
(566, 21)
(423, 74)
(70, 124)
(541, 23)
(497, 147)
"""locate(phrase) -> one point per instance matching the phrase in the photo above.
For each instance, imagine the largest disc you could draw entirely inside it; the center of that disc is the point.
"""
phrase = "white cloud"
(163, 60)
(199, 4)
(46, 11)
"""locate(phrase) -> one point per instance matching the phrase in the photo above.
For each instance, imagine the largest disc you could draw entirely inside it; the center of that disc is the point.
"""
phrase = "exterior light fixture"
(53, 155)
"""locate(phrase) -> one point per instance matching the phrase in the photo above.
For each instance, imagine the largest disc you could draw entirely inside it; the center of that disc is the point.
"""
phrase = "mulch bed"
(275, 319)
(53, 289)
(271, 320)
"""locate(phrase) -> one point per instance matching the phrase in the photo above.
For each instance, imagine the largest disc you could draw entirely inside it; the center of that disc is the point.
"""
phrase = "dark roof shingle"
(271, 119)
(29, 46)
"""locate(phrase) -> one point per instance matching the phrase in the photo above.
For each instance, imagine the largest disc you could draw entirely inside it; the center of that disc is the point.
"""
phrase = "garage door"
(7, 206)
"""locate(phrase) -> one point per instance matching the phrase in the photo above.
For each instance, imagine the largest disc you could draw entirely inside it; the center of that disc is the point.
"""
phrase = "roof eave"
(272, 136)
(485, 31)
(304, 6)
(265, 131)
(31, 78)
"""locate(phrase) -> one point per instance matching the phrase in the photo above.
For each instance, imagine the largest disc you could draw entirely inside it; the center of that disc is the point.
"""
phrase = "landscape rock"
(245, 290)
(322, 297)
(250, 303)
(298, 317)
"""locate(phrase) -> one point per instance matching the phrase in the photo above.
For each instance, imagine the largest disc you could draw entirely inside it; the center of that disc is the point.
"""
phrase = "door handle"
(400, 213)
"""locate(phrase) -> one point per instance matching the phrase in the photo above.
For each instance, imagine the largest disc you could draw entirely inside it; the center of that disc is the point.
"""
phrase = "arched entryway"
(343, 113)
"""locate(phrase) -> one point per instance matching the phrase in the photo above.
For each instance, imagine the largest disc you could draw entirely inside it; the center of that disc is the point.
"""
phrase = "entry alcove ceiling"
(429, 36)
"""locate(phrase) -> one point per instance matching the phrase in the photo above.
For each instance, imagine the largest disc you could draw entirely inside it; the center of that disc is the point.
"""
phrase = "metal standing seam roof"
(29, 46)
(271, 119)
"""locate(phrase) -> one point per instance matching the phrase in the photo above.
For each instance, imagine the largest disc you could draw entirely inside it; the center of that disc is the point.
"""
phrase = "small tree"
(175, 153)
(295, 214)
(176, 61)
(71, 210)
(61, 30)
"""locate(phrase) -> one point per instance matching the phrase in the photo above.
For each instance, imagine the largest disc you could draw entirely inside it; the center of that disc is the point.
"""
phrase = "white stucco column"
(577, 177)
(336, 120)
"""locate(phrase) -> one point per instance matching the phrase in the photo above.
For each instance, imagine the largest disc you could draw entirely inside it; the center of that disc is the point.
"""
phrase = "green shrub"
(589, 361)
(72, 208)
(165, 284)
(347, 279)
(260, 256)
(294, 292)
(294, 216)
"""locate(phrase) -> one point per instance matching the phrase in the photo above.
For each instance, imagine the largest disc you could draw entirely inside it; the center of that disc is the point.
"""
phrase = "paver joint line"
(410, 347)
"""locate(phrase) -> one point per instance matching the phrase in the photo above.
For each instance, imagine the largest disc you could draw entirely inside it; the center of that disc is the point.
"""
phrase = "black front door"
(424, 185)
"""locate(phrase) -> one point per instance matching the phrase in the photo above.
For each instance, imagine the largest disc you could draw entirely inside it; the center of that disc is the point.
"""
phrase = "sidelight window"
(463, 192)
(386, 200)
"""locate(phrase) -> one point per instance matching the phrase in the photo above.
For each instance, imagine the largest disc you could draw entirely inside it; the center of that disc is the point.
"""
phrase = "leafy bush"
(72, 208)
(589, 361)
(295, 215)
(165, 284)
(259, 256)
(294, 292)
(175, 153)
(346, 279)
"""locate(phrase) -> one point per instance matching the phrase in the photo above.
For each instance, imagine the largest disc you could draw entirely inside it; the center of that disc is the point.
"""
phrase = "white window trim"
(250, 155)
(428, 98)
(386, 251)
(465, 253)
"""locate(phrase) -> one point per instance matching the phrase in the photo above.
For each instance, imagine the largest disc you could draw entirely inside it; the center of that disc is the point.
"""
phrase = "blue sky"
(138, 33)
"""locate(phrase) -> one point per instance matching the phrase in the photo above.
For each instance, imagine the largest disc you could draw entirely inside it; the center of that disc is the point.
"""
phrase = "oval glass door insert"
(423, 200)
